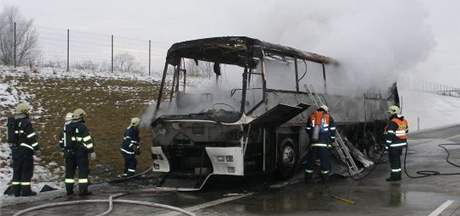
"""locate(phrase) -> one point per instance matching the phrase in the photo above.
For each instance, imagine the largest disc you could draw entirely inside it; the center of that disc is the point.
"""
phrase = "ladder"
(339, 145)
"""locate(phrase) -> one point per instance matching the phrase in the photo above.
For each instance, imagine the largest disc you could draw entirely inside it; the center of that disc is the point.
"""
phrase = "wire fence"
(70, 49)
(416, 84)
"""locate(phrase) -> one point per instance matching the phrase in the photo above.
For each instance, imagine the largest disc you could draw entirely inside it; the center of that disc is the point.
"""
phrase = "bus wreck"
(256, 124)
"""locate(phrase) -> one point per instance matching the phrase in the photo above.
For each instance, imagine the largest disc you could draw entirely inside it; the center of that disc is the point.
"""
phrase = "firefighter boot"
(27, 191)
(69, 189)
(83, 189)
(394, 177)
(16, 190)
(324, 178)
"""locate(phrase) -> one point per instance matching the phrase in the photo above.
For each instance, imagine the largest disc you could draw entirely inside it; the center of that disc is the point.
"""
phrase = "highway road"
(432, 196)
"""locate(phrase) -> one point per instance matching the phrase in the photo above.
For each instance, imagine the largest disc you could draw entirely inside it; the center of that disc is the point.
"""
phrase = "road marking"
(441, 208)
(209, 204)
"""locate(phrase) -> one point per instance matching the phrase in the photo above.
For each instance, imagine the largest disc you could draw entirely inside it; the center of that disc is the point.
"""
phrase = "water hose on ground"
(428, 173)
(110, 201)
(131, 177)
(111, 197)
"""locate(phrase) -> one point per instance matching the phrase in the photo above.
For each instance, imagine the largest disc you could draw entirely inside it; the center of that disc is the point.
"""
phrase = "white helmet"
(135, 121)
(22, 108)
(68, 116)
(324, 107)
(78, 114)
(394, 110)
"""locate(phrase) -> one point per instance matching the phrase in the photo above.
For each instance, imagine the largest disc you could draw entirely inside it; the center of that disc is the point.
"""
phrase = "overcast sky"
(168, 21)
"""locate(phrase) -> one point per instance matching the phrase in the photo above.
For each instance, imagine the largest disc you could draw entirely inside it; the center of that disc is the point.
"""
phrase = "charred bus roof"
(236, 50)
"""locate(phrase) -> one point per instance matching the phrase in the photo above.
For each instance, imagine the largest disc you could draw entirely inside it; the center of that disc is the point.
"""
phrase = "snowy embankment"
(431, 110)
(9, 97)
(49, 72)
(13, 92)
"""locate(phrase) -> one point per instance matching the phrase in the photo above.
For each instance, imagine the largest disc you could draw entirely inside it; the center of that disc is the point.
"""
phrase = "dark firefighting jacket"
(27, 138)
(77, 137)
(326, 126)
(130, 143)
(396, 132)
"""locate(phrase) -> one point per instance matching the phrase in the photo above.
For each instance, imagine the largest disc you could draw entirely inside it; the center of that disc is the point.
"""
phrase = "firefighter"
(64, 144)
(77, 147)
(62, 140)
(25, 146)
(396, 138)
(321, 128)
(130, 147)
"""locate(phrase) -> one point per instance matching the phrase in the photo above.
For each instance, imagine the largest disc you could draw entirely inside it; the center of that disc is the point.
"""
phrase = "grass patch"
(110, 104)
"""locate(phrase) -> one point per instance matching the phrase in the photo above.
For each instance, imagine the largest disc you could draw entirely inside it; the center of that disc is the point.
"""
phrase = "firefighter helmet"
(324, 107)
(22, 108)
(394, 110)
(68, 116)
(79, 114)
(135, 121)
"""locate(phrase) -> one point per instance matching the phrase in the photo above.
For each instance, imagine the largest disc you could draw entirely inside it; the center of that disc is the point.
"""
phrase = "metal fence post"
(14, 44)
(150, 55)
(112, 55)
(68, 48)
(418, 123)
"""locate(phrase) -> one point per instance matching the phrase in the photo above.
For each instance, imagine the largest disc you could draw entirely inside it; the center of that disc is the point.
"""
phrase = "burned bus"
(238, 106)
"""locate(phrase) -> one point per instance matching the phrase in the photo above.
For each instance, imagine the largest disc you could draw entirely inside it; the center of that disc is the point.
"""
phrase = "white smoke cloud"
(374, 41)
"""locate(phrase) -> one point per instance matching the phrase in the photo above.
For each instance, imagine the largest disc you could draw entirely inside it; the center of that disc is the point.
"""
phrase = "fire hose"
(131, 177)
(428, 173)
(112, 199)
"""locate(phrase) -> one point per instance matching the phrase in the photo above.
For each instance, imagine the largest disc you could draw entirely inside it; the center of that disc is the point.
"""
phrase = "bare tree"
(26, 37)
(87, 65)
(126, 62)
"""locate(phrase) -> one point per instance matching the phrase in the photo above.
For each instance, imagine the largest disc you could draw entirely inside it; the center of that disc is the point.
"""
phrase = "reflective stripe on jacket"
(327, 127)
(396, 132)
(26, 135)
(78, 137)
(131, 140)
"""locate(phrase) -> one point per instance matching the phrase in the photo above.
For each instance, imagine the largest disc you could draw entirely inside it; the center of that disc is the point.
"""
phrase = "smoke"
(373, 41)
(147, 116)
(204, 93)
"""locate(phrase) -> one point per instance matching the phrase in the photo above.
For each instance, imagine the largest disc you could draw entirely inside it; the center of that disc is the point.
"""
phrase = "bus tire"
(288, 158)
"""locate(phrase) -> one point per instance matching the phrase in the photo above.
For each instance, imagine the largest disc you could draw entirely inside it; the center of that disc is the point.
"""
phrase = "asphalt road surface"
(432, 196)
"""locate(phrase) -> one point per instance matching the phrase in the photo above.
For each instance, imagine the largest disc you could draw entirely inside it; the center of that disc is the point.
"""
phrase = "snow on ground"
(432, 110)
(50, 72)
(9, 97)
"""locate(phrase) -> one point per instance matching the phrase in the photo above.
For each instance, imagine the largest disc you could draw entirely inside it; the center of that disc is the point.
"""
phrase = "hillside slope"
(44, 173)
(109, 101)
(432, 110)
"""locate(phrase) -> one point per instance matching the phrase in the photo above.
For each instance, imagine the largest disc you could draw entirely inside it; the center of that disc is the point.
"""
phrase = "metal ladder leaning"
(339, 145)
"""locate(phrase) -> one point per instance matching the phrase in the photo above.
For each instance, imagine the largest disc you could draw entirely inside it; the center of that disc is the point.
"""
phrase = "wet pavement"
(436, 195)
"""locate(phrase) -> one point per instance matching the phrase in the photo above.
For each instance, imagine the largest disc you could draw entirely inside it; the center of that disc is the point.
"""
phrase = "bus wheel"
(287, 158)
